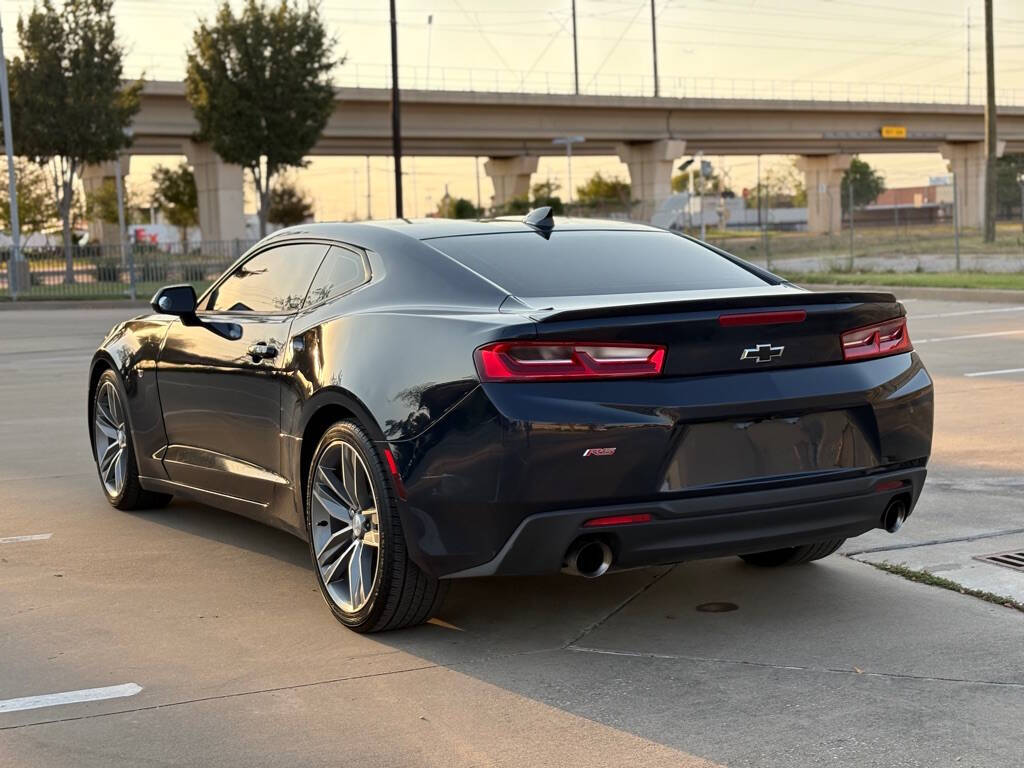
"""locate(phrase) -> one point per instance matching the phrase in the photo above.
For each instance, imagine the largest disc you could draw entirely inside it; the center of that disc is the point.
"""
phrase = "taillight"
(888, 338)
(533, 360)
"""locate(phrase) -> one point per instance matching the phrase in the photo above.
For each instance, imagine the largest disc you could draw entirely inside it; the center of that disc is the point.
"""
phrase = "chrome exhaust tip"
(895, 515)
(588, 559)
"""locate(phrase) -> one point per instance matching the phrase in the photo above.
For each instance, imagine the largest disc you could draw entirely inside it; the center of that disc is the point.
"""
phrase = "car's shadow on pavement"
(837, 645)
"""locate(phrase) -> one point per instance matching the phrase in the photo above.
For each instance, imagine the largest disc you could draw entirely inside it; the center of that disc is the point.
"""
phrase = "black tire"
(133, 496)
(793, 555)
(402, 594)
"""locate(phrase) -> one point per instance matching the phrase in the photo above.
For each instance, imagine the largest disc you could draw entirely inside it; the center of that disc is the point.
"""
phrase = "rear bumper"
(706, 526)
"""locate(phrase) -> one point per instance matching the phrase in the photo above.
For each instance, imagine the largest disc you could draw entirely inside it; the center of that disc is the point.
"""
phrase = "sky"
(707, 46)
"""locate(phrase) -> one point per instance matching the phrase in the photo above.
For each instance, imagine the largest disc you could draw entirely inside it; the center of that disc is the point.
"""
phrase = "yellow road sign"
(894, 131)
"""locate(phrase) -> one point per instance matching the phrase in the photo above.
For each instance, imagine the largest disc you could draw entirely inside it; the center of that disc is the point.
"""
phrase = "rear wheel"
(794, 555)
(355, 538)
(114, 450)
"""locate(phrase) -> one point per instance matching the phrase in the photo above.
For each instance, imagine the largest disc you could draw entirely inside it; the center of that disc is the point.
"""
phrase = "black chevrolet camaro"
(430, 400)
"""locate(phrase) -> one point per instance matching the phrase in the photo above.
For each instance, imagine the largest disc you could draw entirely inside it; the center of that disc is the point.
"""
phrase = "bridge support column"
(94, 178)
(967, 163)
(650, 172)
(823, 180)
(219, 188)
(511, 177)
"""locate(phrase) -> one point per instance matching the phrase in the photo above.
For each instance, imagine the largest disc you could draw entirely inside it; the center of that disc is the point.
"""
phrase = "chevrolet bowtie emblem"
(762, 353)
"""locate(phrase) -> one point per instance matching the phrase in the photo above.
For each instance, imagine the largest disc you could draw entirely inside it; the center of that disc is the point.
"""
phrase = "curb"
(985, 295)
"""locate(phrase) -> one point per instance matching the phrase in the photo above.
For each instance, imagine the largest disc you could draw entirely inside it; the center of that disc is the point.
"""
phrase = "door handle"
(262, 351)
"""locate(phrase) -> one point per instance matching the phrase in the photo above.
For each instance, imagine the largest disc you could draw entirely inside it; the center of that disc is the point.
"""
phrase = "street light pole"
(654, 49)
(568, 141)
(15, 268)
(396, 120)
(1020, 183)
(990, 128)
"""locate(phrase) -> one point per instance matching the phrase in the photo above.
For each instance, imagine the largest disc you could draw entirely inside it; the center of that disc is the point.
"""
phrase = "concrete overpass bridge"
(649, 134)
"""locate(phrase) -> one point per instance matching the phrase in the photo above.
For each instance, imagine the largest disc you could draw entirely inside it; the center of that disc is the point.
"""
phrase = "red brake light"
(762, 318)
(600, 522)
(888, 338)
(553, 360)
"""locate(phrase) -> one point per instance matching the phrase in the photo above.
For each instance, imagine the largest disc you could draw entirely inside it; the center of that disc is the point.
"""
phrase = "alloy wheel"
(345, 526)
(110, 439)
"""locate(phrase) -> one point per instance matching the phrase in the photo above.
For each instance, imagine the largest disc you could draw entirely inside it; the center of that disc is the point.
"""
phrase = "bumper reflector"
(599, 522)
(889, 485)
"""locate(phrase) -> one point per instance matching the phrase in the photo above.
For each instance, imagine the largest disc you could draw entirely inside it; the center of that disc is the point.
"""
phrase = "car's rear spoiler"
(701, 303)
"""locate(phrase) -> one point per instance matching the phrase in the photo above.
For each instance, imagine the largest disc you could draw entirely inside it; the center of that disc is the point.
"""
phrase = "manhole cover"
(1014, 560)
(717, 607)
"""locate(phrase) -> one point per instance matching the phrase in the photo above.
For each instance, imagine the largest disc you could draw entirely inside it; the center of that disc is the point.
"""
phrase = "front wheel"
(793, 555)
(356, 541)
(114, 450)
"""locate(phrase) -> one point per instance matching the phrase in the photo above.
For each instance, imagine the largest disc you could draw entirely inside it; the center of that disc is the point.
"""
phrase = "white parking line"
(30, 537)
(961, 313)
(69, 697)
(995, 373)
(968, 336)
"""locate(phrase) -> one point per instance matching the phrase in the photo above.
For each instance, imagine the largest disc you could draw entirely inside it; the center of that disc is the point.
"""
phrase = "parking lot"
(224, 653)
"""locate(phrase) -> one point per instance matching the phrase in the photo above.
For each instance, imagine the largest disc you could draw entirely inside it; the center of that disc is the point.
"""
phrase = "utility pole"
(968, 70)
(654, 49)
(396, 120)
(15, 269)
(369, 210)
(476, 167)
(575, 52)
(990, 128)
(430, 29)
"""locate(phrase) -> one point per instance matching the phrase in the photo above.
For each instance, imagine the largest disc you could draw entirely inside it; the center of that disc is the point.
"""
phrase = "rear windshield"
(579, 263)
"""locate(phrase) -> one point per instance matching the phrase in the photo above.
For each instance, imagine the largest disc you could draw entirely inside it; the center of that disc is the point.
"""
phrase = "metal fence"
(492, 80)
(108, 272)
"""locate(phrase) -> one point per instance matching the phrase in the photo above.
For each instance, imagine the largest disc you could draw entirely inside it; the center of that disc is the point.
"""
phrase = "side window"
(272, 281)
(341, 271)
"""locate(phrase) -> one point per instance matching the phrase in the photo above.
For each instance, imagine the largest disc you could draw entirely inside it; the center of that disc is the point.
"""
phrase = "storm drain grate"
(1014, 560)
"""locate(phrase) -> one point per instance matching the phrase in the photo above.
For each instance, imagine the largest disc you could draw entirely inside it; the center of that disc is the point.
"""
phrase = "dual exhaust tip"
(589, 558)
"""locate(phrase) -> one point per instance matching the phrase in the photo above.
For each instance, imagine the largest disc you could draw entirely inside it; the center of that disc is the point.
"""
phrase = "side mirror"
(177, 300)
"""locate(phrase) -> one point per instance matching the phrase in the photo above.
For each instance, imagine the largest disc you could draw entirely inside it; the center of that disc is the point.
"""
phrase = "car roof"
(428, 229)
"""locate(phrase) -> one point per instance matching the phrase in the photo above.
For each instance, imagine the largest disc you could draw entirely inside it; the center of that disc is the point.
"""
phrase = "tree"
(36, 210)
(544, 194)
(600, 191)
(456, 208)
(782, 186)
(260, 88)
(175, 195)
(1008, 197)
(713, 184)
(288, 205)
(867, 183)
(69, 107)
(102, 203)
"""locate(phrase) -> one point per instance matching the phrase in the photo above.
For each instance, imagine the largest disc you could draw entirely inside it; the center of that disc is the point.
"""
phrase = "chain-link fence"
(108, 272)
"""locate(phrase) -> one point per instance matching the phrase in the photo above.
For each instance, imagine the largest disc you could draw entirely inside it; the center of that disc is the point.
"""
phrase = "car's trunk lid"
(719, 331)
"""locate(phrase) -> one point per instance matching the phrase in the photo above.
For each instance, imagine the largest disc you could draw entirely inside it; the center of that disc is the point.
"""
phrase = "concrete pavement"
(219, 621)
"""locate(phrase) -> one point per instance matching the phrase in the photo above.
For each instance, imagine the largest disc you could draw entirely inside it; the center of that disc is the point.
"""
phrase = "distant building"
(929, 204)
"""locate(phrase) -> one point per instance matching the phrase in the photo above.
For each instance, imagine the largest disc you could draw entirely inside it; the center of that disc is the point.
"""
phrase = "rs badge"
(598, 452)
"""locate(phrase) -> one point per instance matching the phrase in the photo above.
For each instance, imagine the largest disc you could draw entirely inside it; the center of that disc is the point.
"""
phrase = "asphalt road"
(220, 651)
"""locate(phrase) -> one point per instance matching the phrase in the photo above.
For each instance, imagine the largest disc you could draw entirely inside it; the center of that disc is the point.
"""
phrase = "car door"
(220, 380)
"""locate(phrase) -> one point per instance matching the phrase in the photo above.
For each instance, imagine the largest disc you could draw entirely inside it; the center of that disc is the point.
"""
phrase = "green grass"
(1012, 281)
(925, 577)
